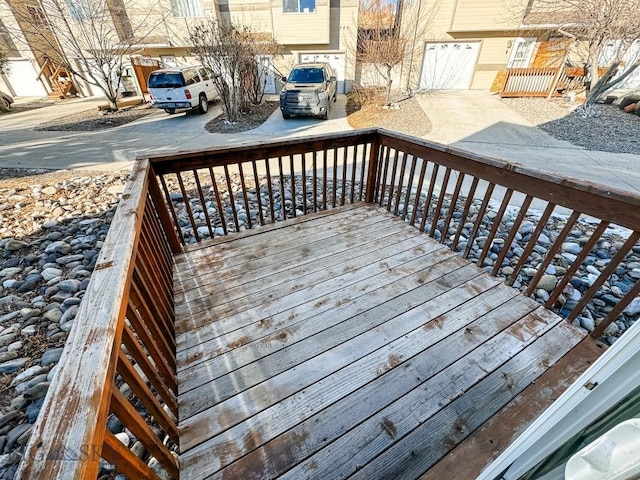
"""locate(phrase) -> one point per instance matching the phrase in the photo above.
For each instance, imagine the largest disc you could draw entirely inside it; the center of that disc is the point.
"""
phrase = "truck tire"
(286, 116)
(170, 111)
(203, 105)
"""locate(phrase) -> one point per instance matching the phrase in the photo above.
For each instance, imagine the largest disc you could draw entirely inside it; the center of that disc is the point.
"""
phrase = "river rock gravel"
(52, 225)
(610, 130)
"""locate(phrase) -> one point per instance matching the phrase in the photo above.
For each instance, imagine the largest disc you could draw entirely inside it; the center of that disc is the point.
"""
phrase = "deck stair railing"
(120, 359)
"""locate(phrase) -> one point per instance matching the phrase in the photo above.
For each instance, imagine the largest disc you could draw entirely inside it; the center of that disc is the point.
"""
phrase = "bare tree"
(390, 34)
(87, 38)
(233, 54)
(593, 25)
(379, 38)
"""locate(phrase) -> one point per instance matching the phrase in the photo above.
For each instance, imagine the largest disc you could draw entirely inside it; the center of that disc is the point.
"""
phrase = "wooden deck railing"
(124, 329)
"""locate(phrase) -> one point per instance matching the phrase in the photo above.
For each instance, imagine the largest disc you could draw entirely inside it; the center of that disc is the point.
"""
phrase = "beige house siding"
(486, 15)
(331, 29)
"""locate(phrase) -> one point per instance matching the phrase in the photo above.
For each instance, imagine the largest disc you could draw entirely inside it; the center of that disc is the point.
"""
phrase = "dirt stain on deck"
(238, 342)
(393, 360)
(388, 426)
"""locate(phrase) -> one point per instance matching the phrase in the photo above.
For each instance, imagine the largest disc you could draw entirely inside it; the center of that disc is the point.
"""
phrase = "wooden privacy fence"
(121, 353)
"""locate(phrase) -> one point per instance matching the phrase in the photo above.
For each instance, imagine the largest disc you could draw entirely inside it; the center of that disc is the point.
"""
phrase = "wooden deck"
(347, 344)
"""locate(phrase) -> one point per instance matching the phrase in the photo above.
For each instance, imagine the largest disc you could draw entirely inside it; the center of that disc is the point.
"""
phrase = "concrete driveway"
(112, 149)
(479, 122)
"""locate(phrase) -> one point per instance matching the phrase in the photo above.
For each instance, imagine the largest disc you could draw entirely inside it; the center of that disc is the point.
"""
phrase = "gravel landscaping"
(611, 130)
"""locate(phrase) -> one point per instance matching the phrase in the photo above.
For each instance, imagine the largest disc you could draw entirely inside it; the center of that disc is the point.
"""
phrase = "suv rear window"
(306, 75)
(166, 80)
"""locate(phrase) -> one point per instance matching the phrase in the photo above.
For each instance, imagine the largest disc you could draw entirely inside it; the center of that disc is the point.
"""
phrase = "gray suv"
(309, 90)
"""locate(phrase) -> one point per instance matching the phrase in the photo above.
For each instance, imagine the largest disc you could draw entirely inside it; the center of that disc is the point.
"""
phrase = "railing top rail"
(603, 202)
(218, 156)
(67, 427)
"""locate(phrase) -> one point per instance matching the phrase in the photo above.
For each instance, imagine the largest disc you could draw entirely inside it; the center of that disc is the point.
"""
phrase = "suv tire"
(203, 105)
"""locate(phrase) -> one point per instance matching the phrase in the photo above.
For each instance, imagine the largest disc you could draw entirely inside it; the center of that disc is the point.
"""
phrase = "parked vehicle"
(309, 90)
(6, 100)
(182, 88)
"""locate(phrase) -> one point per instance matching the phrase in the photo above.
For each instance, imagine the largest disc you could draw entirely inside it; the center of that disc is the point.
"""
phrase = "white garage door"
(336, 60)
(449, 65)
(22, 77)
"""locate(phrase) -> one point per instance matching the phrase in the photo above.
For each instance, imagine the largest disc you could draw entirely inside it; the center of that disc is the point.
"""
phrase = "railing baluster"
(303, 159)
(393, 179)
(532, 242)
(403, 167)
(245, 196)
(125, 461)
(344, 175)
(443, 193)
(478, 222)
(382, 179)
(617, 310)
(139, 389)
(129, 416)
(555, 247)
(428, 199)
(216, 192)
(334, 178)
(465, 212)
(140, 357)
(293, 185)
(407, 197)
(187, 206)
(324, 179)
(270, 190)
(366, 154)
(315, 181)
(494, 227)
(604, 275)
(512, 234)
(203, 202)
(577, 263)
(354, 165)
(232, 197)
(416, 202)
(283, 208)
(258, 196)
(452, 206)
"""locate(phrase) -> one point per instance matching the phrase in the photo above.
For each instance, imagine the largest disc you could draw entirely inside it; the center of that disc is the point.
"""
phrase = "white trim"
(514, 50)
(615, 374)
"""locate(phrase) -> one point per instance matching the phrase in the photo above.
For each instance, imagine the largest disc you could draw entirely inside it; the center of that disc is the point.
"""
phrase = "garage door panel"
(449, 65)
(336, 60)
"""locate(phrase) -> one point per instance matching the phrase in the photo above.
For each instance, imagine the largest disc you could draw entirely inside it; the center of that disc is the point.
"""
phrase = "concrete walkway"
(115, 148)
(479, 122)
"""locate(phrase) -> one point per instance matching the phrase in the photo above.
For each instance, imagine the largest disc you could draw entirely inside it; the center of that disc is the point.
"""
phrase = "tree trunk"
(389, 82)
(593, 68)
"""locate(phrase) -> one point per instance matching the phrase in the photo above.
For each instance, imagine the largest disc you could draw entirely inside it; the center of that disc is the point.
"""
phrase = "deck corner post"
(374, 155)
(167, 225)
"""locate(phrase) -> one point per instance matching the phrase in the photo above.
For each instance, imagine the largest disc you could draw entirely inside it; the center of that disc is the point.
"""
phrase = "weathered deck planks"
(371, 354)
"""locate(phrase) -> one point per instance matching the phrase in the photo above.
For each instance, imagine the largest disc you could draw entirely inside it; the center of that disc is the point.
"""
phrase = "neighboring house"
(469, 44)
(309, 31)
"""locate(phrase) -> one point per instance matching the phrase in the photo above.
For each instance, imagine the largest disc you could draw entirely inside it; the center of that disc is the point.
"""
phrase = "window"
(187, 8)
(37, 15)
(203, 73)
(190, 76)
(78, 10)
(307, 75)
(298, 6)
(6, 42)
(166, 80)
(521, 52)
